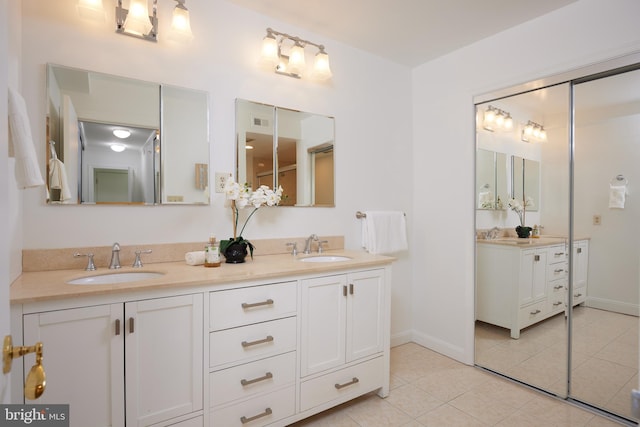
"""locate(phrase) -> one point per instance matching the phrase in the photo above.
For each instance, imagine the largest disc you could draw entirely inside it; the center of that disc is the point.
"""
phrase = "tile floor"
(429, 389)
(604, 356)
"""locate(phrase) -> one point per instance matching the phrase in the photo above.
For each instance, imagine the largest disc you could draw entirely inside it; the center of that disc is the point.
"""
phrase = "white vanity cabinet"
(252, 354)
(342, 336)
(580, 271)
(158, 342)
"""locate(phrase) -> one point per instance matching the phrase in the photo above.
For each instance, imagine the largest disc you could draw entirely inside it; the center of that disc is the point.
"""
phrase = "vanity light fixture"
(139, 21)
(497, 119)
(293, 63)
(533, 131)
(118, 148)
(121, 133)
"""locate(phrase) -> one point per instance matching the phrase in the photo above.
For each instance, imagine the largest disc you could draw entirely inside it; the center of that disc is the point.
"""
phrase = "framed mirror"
(116, 140)
(294, 149)
(491, 176)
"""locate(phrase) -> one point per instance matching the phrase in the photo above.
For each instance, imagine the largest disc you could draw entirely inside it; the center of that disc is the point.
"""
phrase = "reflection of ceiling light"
(533, 131)
(118, 148)
(248, 147)
(122, 133)
(139, 21)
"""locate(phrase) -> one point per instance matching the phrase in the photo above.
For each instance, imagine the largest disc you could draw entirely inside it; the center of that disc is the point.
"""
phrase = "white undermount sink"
(111, 278)
(325, 258)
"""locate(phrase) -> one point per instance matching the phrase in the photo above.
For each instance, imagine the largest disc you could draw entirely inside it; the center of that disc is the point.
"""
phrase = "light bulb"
(296, 59)
(490, 115)
(121, 133)
(321, 69)
(499, 119)
(270, 50)
(528, 129)
(118, 148)
(180, 24)
(543, 134)
(137, 21)
(508, 122)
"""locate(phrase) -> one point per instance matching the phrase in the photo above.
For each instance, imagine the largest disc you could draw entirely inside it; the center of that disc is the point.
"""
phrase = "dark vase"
(523, 232)
(236, 253)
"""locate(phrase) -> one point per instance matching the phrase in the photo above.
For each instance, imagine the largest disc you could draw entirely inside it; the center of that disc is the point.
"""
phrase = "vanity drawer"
(557, 271)
(265, 339)
(579, 295)
(531, 314)
(344, 384)
(260, 376)
(238, 307)
(556, 254)
(557, 296)
(259, 411)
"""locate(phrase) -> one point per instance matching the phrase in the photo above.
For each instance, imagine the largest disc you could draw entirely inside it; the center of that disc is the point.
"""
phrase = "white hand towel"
(384, 232)
(27, 169)
(617, 194)
(58, 179)
(194, 258)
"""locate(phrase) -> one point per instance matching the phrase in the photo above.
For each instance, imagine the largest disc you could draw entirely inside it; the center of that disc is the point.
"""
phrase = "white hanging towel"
(617, 196)
(58, 179)
(384, 232)
(27, 170)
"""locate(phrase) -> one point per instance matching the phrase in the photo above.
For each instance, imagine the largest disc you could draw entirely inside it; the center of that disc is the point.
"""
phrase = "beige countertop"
(527, 243)
(52, 285)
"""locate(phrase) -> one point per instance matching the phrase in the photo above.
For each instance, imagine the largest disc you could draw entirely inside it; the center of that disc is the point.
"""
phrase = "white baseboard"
(400, 338)
(441, 347)
(611, 305)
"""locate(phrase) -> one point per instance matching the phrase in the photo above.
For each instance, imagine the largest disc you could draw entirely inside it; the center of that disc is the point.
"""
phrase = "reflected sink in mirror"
(111, 278)
(325, 258)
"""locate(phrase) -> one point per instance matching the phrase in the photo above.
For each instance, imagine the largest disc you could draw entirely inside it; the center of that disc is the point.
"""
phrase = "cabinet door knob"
(245, 420)
(352, 382)
(246, 305)
(266, 376)
(269, 338)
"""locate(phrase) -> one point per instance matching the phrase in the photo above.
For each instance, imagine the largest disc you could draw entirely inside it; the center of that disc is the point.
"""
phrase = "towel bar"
(361, 215)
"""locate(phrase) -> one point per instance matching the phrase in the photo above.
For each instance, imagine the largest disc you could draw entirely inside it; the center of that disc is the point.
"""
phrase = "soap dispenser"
(212, 253)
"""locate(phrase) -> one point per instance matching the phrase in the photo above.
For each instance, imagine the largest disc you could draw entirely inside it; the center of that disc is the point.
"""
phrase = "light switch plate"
(221, 180)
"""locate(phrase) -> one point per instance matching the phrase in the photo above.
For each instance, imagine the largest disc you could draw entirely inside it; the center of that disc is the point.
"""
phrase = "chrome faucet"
(115, 256)
(492, 234)
(307, 245)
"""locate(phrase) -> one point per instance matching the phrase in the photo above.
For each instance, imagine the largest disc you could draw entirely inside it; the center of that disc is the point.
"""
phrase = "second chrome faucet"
(115, 256)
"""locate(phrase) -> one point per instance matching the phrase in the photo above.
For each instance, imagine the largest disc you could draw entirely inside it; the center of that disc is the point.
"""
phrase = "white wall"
(369, 97)
(582, 33)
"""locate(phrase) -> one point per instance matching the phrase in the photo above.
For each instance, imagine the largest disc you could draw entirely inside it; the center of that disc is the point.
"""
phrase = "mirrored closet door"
(557, 308)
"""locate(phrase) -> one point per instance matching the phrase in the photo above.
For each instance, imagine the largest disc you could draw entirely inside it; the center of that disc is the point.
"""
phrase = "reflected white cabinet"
(580, 271)
(157, 341)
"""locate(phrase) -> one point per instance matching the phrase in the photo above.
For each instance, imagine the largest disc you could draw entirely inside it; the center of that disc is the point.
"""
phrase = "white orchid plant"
(242, 196)
(520, 208)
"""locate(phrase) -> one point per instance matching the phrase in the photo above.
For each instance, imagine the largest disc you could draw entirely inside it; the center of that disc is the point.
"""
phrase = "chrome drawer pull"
(266, 376)
(353, 381)
(557, 254)
(536, 311)
(559, 270)
(266, 412)
(269, 338)
(257, 304)
(577, 295)
(555, 304)
(558, 287)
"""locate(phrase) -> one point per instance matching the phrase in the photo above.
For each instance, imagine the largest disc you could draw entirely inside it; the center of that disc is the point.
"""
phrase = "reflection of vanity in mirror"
(298, 146)
(116, 140)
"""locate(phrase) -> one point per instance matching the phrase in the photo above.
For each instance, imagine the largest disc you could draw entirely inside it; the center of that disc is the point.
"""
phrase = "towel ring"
(619, 179)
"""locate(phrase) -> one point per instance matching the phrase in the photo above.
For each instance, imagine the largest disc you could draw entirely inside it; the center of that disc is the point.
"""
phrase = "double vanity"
(524, 281)
(268, 342)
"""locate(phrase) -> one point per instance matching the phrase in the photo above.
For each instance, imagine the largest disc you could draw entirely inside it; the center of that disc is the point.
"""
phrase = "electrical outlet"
(597, 220)
(221, 180)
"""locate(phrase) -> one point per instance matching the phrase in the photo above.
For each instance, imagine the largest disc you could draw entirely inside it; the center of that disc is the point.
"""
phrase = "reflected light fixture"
(141, 22)
(121, 133)
(533, 131)
(118, 148)
(497, 119)
(292, 63)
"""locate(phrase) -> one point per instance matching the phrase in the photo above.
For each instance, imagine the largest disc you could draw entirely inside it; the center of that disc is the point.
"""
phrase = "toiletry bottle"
(212, 253)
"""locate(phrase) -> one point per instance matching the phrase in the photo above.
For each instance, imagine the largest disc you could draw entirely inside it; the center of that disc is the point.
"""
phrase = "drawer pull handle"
(557, 254)
(577, 295)
(351, 288)
(579, 250)
(559, 270)
(352, 382)
(117, 326)
(555, 304)
(536, 257)
(266, 412)
(269, 338)
(246, 305)
(534, 312)
(558, 287)
(266, 376)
